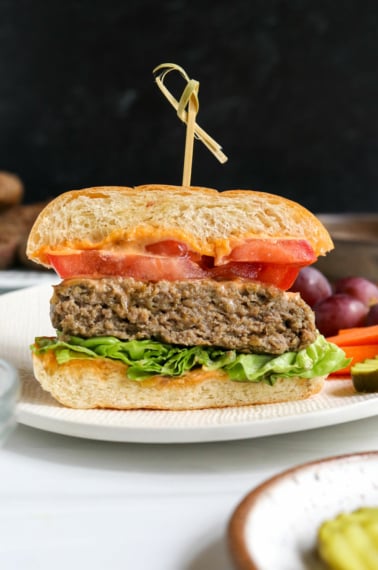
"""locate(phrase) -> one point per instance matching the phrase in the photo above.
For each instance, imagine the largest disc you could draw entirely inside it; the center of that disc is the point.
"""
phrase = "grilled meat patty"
(241, 315)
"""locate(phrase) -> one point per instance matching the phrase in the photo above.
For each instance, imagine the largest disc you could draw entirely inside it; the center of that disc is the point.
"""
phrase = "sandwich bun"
(209, 222)
(103, 383)
(124, 221)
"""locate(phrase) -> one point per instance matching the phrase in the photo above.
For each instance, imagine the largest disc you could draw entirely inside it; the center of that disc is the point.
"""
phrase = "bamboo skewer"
(189, 140)
(189, 101)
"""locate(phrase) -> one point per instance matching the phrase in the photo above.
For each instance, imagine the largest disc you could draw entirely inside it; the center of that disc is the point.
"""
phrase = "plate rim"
(236, 526)
(14, 279)
(314, 419)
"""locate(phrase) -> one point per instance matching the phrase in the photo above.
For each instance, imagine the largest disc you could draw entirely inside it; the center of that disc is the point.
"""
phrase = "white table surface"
(69, 503)
(78, 504)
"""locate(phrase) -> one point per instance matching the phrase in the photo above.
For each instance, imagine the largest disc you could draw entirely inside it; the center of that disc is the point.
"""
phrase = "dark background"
(288, 88)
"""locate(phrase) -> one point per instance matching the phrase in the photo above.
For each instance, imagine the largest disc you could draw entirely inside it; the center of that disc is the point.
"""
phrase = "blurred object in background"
(9, 394)
(15, 225)
(11, 189)
(16, 220)
(288, 88)
(356, 246)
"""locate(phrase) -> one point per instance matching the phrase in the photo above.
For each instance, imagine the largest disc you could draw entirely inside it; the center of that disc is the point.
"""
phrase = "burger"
(176, 298)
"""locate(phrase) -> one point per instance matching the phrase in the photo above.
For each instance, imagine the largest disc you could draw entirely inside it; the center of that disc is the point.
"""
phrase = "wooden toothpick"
(187, 108)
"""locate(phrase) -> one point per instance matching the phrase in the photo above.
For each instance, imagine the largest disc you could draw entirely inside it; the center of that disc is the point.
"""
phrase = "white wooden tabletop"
(75, 503)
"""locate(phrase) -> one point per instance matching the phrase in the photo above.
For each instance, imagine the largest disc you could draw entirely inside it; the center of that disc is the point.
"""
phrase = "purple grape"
(312, 286)
(372, 316)
(339, 311)
(359, 288)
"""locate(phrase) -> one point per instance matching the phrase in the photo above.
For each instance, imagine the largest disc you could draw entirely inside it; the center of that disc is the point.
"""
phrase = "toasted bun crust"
(102, 383)
(208, 221)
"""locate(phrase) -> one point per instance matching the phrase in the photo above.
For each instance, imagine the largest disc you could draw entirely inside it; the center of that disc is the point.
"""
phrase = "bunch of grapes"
(349, 302)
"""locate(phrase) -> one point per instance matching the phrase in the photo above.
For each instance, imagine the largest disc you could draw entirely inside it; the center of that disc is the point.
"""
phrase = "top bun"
(208, 221)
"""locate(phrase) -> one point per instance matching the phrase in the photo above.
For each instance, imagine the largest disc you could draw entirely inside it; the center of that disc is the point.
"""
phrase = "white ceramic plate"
(25, 314)
(11, 279)
(275, 526)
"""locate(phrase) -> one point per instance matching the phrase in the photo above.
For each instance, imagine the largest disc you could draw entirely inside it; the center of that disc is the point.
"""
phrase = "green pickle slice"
(350, 540)
(365, 375)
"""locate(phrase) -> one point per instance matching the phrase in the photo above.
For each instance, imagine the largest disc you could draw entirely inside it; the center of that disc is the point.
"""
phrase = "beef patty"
(241, 315)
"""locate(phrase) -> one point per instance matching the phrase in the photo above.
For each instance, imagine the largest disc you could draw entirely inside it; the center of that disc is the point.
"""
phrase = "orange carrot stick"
(355, 329)
(356, 336)
(357, 354)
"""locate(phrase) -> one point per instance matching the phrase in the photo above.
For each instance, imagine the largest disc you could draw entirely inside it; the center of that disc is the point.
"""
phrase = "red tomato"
(275, 262)
(235, 270)
(297, 251)
(155, 268)
(282, 276)
(143, 267)
(168, 247)
(173, 248)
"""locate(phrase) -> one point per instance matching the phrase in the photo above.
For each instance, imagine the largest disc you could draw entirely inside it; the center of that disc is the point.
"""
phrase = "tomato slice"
(168, 247)
(236, 270)
(146, 268)
(173, 248)
(156, 268)
(287, 251)
(275, 262)
(282, 276)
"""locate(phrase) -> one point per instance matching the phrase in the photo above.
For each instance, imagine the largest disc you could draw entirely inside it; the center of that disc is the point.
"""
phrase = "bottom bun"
(102, 383)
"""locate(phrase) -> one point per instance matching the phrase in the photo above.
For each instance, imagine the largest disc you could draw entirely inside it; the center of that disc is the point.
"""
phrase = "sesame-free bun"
(103, 383)
(208, 221)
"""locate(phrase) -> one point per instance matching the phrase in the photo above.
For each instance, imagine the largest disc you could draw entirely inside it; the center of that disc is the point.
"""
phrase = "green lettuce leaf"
(146, 358)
